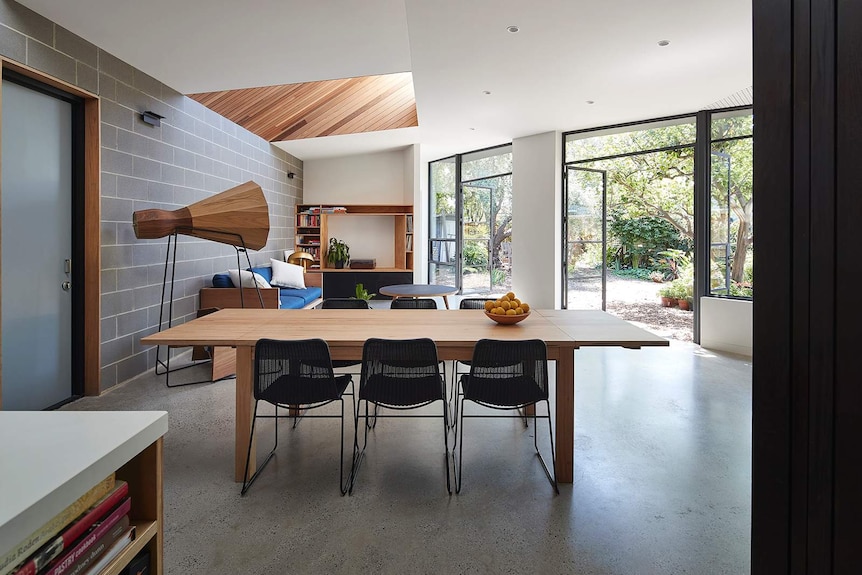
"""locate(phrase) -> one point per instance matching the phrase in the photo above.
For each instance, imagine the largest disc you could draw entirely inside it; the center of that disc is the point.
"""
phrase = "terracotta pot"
(667, 301)
(683, 304)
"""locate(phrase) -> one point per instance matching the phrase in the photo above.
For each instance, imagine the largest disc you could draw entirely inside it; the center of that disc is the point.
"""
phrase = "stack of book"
(81, 539)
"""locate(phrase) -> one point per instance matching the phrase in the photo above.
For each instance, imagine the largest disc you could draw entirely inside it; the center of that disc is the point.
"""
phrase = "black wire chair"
(398, 375)
(507, 375)
(413, 303)
(296, 375)
(466, 303)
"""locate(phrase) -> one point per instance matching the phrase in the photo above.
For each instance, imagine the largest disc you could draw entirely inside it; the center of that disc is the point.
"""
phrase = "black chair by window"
(507, 375)
(413, 303)
(398, 375)
(344, 303)
(297, 376)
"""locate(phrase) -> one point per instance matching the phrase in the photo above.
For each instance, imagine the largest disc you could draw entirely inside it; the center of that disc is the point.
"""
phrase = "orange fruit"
(510, 312)
(511, 295)
(505, 305)
(499, 311)
(489, 305)
(517, 302)
(519, 310)
(525, 307)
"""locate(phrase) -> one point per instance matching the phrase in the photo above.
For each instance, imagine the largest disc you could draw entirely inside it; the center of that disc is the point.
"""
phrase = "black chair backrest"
(473, 303)
(507, 373)
(293, 372)
(400, 372)
(413, 303)
(344, 303)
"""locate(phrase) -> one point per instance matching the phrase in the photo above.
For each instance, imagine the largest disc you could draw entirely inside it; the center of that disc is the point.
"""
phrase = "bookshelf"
(314, 222)
(59, 455)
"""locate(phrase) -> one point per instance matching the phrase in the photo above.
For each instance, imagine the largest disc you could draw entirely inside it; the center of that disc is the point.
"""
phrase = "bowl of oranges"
(507, 310)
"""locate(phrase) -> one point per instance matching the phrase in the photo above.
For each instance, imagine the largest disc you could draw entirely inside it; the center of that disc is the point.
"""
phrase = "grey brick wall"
(194, 154)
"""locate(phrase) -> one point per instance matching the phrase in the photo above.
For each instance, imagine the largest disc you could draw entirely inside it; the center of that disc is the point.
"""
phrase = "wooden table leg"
(565, 419)
(244, 407)
(446, 302)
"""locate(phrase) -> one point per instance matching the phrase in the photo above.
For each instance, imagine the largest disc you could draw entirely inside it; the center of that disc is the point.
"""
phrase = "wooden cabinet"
(55, 457)
(314, 223)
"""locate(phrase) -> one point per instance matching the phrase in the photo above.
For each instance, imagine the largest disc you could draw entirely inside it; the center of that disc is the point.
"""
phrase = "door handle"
(66, 286)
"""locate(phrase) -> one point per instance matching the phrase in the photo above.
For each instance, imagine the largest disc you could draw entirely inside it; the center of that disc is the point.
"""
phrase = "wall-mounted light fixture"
(151, 118)
(290, 175)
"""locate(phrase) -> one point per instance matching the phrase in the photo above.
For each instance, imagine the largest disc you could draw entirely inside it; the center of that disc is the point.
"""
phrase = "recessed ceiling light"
(663, 42)
(472, 129)
(486, 92)
(591, 102)
(512, 29)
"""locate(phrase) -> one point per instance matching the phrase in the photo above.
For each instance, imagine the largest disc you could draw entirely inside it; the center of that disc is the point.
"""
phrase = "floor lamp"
(238, 217)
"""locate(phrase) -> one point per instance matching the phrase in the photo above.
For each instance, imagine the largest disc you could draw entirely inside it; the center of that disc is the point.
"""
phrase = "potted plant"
(338, 253)
(362, 293)
(666, 295)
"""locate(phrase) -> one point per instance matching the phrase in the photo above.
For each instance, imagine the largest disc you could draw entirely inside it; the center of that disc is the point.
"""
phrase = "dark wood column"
(807, 386)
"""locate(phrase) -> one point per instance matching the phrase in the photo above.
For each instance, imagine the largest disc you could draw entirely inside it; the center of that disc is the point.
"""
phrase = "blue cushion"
(307, 295)
(265, 273)
(222, 281)
(290, 302)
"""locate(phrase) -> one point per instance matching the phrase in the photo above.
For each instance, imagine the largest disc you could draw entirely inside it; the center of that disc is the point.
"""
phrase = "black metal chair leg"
(460, 426)
(552, 479)
(247, 481)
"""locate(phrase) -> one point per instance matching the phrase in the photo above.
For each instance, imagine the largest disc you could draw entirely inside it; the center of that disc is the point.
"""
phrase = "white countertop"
(48, 459)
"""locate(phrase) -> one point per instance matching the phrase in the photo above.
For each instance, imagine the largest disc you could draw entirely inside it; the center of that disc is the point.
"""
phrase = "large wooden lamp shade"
(238, 217)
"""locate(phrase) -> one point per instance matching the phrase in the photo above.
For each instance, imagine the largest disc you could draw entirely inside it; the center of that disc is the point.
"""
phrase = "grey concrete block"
(132, 277)
(87, 78)
(203, 130)
(109, 184)
(194, 179)
(146, 169)
(76, 47)
(126, 234)
(173, 175)
(220, 138)
(146, 296)
(132, 143)
(172, 98)
(131, 188)
(147, 84)
(116, 162)
(160, 192)
(134, 99)
(115, 350)
(132, 322)
(173, 136)
(115, 303)
(221, 170)
(148, 254)
(108, 134)
(159, 151)
(116, 115)
(117, 209)
(204, 164)
(50, 61)
(184, 122)
(108, 281)
(13, 45)
(184, 159)
(195, 144)
(194, 109)
(27, 22)
(107, 377)
(115, 68)
(108, 329)
(108, 234)
(134, 365)
(115, 257)
(107, 88)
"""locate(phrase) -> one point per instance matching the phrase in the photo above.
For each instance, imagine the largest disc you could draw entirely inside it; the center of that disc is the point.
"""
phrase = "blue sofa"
(288, 298)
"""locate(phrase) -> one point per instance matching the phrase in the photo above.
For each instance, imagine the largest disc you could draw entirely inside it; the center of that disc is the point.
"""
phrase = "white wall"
(726, 324)
(360, 179)
(536, 205)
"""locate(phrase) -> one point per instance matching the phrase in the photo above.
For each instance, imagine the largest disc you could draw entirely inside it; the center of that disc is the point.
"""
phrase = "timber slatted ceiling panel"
(325, 108)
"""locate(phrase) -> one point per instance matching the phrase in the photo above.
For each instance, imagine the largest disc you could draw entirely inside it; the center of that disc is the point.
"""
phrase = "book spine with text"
(65, 539)
(112, 552)
(11, 559)
(100, 547)
(62, 564)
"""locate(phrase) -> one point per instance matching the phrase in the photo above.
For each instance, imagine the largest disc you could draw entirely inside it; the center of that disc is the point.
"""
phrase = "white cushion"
(287, 254)
(248, 279)
(287, 275)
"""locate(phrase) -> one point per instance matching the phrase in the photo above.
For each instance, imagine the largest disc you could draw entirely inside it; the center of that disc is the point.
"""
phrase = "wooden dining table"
(454, 331)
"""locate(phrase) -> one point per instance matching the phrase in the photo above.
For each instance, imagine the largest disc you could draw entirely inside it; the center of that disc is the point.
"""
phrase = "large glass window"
(471, 221)
(731, 204)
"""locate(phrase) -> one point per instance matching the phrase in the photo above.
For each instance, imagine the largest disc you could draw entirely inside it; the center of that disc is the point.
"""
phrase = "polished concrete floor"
(661, 482)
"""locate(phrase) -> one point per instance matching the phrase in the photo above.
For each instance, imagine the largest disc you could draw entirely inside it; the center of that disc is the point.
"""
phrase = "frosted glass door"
(35, 215)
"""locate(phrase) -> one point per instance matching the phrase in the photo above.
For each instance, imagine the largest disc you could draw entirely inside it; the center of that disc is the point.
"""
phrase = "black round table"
(419, 290)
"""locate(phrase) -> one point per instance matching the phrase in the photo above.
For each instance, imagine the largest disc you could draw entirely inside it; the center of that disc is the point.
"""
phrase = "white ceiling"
(567, 52)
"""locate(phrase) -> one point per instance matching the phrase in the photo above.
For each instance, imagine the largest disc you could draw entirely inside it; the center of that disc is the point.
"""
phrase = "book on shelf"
(409, 246)
(100, 548)
(74, 531)
(62, 564)
(409, 224)
(35, 540)
(112, 552)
